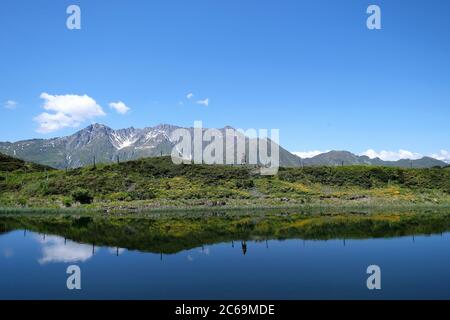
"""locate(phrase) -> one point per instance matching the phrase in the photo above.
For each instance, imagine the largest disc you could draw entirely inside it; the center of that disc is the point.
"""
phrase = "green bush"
(22, 201)
(142, 194)
(120, 196)
(67, 202)
(369, 177)
(82, 196)
(245, 184)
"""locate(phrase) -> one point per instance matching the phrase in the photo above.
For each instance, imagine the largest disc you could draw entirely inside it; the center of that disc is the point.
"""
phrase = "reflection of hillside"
(4, 228)
(174, 234)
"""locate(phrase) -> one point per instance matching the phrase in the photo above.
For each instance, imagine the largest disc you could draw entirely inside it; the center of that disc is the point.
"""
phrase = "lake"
(33, 266)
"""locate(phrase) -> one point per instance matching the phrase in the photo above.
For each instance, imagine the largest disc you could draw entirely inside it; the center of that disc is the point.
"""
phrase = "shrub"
(22, 201)
(142, 194)
(82, 196)
(244, 184)
(120, 196)
(67, 202)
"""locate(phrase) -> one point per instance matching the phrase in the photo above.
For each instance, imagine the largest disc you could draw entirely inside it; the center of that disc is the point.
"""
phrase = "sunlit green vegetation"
(10, 164)
(157, 183)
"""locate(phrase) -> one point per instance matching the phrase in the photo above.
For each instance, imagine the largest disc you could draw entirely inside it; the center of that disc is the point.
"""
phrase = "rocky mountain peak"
(106, 145)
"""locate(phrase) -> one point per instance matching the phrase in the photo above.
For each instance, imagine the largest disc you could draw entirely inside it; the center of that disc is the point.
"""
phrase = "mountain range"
(105, 145)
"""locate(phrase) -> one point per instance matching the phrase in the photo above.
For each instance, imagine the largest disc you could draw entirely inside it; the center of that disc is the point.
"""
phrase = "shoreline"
(313, 208)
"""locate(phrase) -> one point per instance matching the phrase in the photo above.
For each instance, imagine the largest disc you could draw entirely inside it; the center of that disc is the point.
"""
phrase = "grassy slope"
(156, 182)
(10, 164)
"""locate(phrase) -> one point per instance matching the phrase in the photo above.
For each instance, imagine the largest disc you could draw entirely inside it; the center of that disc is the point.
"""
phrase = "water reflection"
(170, 235)
(33, 265)
(116, 251)
(244, 247)
(57, 249)
(8, 252)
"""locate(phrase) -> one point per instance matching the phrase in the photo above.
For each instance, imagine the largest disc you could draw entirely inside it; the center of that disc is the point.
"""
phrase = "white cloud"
(204, 102)
(120, 107)
(68, 111)
(308, 154)
(53, 122)
(10, 104)
(392, 155)
(442, 155)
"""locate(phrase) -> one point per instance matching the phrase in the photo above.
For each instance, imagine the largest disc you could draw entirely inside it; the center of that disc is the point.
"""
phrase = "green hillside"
(158, 183)
(9, 164)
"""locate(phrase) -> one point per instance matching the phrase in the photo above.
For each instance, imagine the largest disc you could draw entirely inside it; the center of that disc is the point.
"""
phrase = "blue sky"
(310, 68)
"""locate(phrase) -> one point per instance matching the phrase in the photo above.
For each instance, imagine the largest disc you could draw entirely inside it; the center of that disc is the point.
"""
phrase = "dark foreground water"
(33, 266)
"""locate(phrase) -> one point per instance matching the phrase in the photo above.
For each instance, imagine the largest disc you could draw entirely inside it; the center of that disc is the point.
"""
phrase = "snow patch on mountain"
(123, 141)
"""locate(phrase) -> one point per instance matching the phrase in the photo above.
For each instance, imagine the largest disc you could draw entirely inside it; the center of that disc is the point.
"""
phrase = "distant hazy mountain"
(338, 158)
(105, 144)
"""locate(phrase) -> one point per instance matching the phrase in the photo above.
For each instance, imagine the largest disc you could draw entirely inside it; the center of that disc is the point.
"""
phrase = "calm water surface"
(33, 266)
